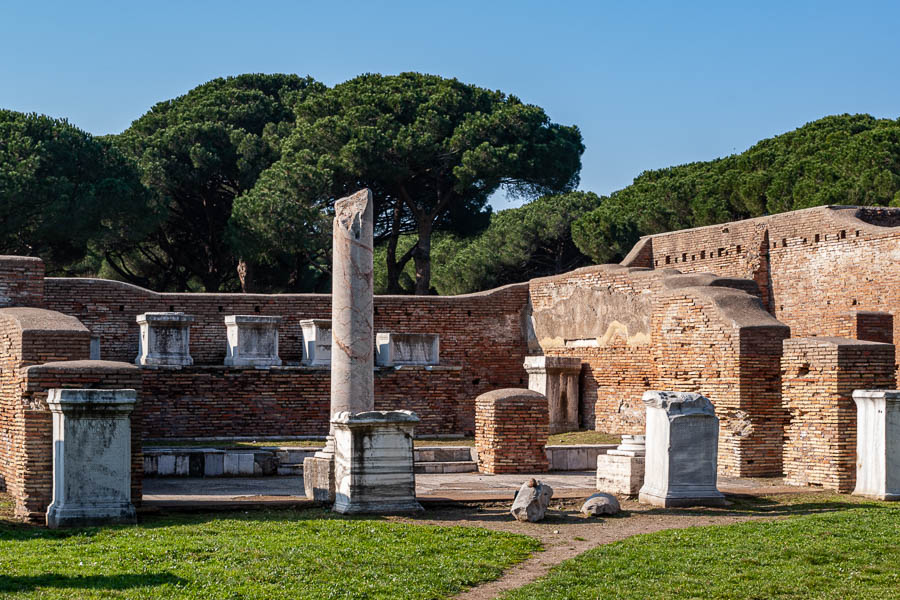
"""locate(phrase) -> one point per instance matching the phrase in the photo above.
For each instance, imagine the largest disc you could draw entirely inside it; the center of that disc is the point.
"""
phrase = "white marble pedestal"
(373, 462)
(621, 471)
(91, 457)
(682, 451)
(877, 444)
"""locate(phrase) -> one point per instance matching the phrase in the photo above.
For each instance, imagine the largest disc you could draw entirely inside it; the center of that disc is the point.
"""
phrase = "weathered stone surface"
(557, 378)
(877, 444)
(353, 341)
(373, 462)
(252, 341)
(531, 501)
(601, 504)
(316, 342)
(91, 457)
(318, 479)
(682, 449)
(165, 339)
(393, 349)
(623, 475)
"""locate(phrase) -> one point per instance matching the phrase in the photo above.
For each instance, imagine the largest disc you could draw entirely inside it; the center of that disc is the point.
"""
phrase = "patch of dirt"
(566, 533)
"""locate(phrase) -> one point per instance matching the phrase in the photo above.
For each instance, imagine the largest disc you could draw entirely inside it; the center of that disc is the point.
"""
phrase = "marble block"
(316, 342)
(91, 457)
(165, 339)
(557, 378)
(318, 478)
(877, 444)
(394, 349)
(621, 471)
(252, 341)
(682, 451)
(373, 462)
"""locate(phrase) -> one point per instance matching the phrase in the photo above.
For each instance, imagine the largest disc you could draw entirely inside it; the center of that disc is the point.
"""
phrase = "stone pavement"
(237, 492)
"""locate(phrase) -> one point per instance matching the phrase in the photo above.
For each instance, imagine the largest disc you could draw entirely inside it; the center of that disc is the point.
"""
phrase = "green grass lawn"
(265, 555)
(565, 439)
(852, 553)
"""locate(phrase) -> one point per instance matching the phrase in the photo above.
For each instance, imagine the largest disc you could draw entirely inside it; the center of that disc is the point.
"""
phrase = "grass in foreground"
(847, 554)
(563, 439)
(266, 555)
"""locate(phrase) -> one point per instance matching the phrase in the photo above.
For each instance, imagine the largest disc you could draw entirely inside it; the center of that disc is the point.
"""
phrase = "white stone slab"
(877, 444)
(252, 341)
(316, 342)
(397, 349)
(373, 465)
(91, 457)
(165, 339)
(682, 450)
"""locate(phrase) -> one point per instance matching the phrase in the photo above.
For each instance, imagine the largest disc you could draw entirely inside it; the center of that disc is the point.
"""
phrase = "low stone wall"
(820, 374)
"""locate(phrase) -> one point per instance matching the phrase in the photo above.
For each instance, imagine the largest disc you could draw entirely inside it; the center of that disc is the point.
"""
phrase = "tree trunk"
(422, 257)
(246, 275)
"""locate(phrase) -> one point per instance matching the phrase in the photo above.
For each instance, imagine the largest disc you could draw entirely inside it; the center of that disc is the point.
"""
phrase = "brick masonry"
(819, 376)
(686, 311)
(511, 430)
(814, 266)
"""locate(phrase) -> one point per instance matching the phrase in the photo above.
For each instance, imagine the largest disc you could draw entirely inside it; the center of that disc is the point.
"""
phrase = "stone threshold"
(288, 460)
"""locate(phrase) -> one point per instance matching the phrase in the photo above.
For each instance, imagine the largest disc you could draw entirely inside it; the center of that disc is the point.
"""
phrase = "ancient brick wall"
(813, 266)
(214, 401)
(34, 489)
(29, 336)
(21, 281)
(480, 333)
(31, 339)
(819, 376)
(511, 430)
(639, 329)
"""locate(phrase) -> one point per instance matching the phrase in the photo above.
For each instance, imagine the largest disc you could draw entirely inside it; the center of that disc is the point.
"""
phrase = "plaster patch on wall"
(580, 313)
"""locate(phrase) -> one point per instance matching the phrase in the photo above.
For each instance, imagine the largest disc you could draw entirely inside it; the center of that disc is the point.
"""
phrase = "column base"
(118, 513)
(681, 500)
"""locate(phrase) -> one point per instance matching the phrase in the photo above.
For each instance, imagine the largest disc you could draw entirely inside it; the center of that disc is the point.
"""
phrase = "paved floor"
(226, 492)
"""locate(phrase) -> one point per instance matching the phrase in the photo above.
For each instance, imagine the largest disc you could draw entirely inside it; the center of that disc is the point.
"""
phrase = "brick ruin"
(713, 310)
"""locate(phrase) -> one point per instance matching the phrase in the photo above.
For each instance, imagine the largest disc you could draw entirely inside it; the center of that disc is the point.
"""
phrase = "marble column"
(352, 331)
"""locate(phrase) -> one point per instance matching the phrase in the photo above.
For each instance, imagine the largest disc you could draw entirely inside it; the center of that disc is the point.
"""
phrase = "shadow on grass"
(12, 583)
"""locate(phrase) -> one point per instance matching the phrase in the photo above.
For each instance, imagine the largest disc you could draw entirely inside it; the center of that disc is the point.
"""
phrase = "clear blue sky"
(650, 84)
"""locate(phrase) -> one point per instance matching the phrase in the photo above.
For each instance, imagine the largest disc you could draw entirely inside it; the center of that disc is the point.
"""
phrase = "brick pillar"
(511, 428)
(867, 325)
(819, 377)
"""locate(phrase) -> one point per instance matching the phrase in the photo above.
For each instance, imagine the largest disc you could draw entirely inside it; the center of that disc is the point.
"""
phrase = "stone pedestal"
(556, 377)
(316, 342)
(877, 444)
(621, 471)
(395, 349)
(165, 339)
(373, 466)
(91, 457)
(682, 451)
(318, 478)
(252, 341)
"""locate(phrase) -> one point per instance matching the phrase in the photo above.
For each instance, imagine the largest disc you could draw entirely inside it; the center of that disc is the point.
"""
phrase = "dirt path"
(565, 533)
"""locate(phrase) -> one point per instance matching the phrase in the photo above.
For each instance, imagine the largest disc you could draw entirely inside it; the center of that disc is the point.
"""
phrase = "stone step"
(453, 466)
(444, 454)
(290, 469)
